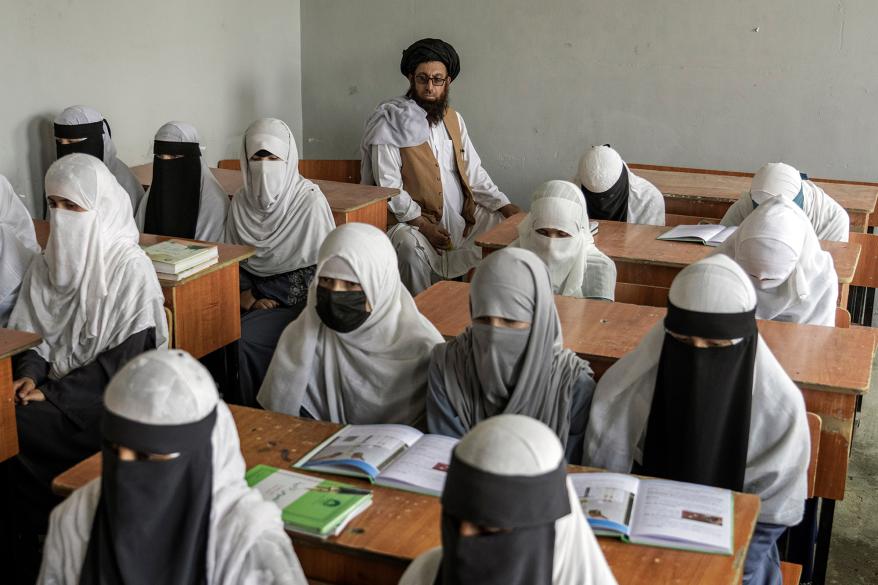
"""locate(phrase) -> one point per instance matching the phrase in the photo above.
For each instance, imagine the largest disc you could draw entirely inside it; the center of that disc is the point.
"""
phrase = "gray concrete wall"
(678, 82)
(216, 63)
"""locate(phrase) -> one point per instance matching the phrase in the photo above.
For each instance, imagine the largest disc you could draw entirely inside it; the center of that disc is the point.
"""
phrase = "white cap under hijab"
(512, 444)
(599, 168)
(775, 180)
(169, 387)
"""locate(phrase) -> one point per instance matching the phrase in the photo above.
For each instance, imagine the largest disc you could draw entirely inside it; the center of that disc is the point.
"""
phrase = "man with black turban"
(418, 144)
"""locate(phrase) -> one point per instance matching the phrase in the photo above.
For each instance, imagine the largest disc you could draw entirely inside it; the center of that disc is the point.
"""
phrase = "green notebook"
(309, 505)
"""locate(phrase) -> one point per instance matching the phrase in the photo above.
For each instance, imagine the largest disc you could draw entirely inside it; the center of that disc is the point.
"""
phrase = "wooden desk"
(379, 544)
(646, 266)
(205, 307)
(349, 202)
(11, 342)
(710, 193)
(832, 366)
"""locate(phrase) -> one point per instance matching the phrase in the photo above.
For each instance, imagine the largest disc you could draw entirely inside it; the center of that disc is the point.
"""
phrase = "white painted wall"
(679, 82)
(219, 64)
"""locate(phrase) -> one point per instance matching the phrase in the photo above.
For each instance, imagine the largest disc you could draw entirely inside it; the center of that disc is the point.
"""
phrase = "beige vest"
(422, 178)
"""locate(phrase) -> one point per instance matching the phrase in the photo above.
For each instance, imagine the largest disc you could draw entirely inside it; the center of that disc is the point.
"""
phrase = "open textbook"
(707, 234)
(390, 455)
(657, 512)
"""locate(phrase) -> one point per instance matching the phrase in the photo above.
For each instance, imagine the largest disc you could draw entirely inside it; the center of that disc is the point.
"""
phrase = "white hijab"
(512, 444)
(171, 388)
(285, 219)
(93, 287)
(560, 205)
(211, 223)
(778, 452)
(777, 243)
(377, 373)
(75, 115)
(18, 246)
(399, 122)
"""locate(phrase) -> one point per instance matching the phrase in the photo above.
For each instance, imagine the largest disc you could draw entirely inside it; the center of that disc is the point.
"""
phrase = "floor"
(853, 554)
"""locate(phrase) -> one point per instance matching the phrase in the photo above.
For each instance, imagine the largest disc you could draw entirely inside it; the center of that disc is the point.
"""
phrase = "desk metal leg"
(824, 536)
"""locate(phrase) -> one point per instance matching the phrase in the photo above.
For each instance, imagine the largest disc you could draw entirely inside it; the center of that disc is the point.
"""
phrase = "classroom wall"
(218, 64)
(728, 85)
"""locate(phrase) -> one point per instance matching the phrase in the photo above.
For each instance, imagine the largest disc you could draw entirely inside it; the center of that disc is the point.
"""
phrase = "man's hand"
(25, 390)
(438, 237)
(265, 304)
(509, 210)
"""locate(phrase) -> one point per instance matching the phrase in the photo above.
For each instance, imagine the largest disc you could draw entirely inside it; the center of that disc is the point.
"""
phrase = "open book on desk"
(395, 456)
(657, 512)
(708, 234)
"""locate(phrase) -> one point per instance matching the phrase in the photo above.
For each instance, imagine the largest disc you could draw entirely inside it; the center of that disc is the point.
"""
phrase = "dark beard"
(435, 110)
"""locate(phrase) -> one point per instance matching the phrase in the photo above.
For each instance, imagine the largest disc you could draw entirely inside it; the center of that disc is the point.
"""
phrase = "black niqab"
(612, 204)
(93, 144)
(175, 193)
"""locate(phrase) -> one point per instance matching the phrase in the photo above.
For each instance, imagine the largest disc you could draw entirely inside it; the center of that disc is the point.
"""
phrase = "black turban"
(430, 50)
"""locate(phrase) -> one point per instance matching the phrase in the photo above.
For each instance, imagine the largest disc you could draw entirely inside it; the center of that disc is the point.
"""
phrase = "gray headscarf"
(490, 370)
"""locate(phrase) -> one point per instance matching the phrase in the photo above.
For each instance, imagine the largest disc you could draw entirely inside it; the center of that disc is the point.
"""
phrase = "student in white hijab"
(94, 299)
(511, 359)
(557, 230)
(171, 505)
(84, 129)
(702, 399)
(615, 193)
(795, 279)
(286, 218)
(358, 353)
(830, 220)
(184, 199)
(18, 246)
(510, 515)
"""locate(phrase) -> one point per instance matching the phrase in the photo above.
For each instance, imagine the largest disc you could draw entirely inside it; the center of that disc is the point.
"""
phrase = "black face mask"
(612, 204)
(342, 311)
(175, 193)
(93, 143)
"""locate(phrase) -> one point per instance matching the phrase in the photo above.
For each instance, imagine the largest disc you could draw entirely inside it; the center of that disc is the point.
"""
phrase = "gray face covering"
(492, 370)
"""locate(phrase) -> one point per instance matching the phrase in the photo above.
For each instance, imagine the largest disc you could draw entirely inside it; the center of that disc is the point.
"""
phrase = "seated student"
(184, 200)
(613, 192)
(511, 360)
(94, 299)
(171, 505)
(702, 399)
(557, 230)
(286, 218)
(830, 220)
(795, 279)
(510, 515)
(18, 246)
(83, 129)
(358, 353)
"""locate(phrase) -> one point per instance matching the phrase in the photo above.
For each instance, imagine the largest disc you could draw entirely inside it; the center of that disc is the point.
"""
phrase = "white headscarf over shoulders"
(160, 395)
(280, 213)
(576, 266)
(795, 279)
(777, 452)
(376, 373)
(93, 287)
(18, 246)
(524, 457)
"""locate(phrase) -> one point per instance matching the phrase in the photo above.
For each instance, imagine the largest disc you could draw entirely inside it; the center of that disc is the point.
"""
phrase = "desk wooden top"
(637, 244)
(821, 358)
(724, 186)
(401, 525)
(228, 253)
(13, 342)
(342, 197)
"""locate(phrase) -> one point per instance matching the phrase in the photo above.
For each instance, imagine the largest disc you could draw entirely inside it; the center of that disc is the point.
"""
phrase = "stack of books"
(309, 505)
(175, 260)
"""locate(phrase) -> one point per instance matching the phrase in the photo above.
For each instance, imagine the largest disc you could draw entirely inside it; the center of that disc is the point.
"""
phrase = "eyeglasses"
(424, 80)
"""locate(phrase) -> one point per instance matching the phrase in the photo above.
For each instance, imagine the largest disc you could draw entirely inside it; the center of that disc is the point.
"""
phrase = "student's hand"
(438, 237)
(247, 300)
(509, 210)
(25, 390)
(265, 304)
